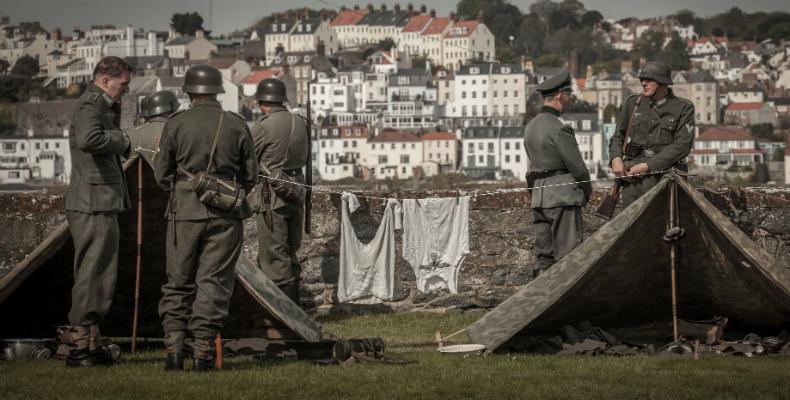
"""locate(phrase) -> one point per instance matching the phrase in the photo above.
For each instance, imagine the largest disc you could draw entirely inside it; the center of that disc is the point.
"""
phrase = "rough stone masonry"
(501, 240)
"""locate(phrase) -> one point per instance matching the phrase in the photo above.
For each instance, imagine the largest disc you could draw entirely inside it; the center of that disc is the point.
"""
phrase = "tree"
(763, 131)
(591, 18)
(187, 23)
(685, 17)
(4, 66)
(676, 54)
(7, 122)
(26, 66)
(468, 9)
(529, 36)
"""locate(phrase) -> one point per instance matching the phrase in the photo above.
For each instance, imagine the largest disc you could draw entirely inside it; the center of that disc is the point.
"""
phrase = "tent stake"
(673, 256)
(138, 266)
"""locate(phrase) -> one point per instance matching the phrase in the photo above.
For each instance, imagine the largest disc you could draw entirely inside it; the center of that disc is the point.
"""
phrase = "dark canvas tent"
(35, 296)
(620, 276)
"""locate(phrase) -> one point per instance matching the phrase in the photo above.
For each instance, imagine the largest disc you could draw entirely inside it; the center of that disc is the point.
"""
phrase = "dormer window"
(474, 70)
(309, 27)
(283, 27)
(274, 28)
(301, 27)
(505, 70)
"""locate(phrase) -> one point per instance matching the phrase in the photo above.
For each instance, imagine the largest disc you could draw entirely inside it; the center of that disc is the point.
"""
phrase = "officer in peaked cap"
(281, 140)
(555, 164)
(661, 136)
(155, 109)
(205, 242)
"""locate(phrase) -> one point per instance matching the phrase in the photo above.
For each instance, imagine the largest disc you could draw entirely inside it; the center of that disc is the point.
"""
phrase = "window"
(9, 146)
(507, 158)
(518, 157)
(480, 159)
(463, 95)
(471, 147)
(13, 174)
(404, 159)
(490, 147)
(392, 146)
(518, 145)
(403, 145)
(382, 160)
(353, 143)
(413, 145)
(345, 144)
(507, 145)
(373, 146)
(323, 144)
(586, 125)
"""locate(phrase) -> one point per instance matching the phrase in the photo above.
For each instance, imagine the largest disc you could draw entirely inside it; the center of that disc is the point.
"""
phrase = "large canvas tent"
(620, 276)
(35, 296)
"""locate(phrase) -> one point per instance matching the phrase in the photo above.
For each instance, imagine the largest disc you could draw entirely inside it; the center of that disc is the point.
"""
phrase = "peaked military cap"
(657, 71)
(560, 82)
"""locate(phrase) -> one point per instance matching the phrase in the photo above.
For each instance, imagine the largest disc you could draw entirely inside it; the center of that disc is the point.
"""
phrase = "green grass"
(434, 376)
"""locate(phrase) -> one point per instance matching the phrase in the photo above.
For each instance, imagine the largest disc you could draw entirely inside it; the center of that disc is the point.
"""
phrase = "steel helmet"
(271, 90)
(203, 79)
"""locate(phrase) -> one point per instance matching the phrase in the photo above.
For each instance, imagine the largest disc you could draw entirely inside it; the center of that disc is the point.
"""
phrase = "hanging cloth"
(436, 240)
(367, 270)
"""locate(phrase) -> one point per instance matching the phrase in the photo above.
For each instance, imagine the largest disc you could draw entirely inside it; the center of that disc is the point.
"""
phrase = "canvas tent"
(620, 276)
(35, 296)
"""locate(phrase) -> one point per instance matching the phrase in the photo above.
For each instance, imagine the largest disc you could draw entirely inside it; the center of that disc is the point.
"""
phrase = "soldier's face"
(116, 87)
(649, 87)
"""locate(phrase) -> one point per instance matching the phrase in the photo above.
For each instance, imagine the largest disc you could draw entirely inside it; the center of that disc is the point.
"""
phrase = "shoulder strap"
(631, 121)
(288, 146)
(216, 139)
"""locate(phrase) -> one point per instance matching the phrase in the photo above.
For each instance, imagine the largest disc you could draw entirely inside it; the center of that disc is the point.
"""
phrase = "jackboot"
(174, 350)
(204, 355)
(79, 347)
(100, 352)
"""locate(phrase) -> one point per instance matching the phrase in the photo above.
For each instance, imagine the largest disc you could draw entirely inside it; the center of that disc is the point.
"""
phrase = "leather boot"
(79, 347)
(101, 354)
(174, 350)
(204, 355)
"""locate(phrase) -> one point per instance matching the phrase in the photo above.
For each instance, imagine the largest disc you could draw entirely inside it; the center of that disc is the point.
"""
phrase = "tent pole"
(139, 252)
(673, 256)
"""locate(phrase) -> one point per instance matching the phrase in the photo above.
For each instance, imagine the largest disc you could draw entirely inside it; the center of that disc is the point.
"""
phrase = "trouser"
(633, 189)
(200, 277)
(558, 230)
(277, 247)
(95, 239)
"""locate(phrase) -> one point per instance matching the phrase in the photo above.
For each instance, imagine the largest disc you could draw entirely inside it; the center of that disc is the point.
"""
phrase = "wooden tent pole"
(138, 266)
(673, 199)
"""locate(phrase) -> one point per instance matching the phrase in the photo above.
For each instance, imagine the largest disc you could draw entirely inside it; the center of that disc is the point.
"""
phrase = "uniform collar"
(275, 109)
(668, 97)
(208, 103)
(550, 110)
(97, 92)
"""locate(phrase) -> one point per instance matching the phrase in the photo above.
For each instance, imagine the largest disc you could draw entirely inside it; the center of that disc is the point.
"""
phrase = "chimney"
(589, 74)
(153, 49)
(199, 33)
(370, 7)
(306, 13)
(321, 48)
(383, 7)
(480, 16)
(397, 7)
(57, 34)
(65, 132)
(452, 16)
(423, 9)
(356, 7)
(626, 66)
(433, 13)
(410, 9)
(130, 47)
(186, 55)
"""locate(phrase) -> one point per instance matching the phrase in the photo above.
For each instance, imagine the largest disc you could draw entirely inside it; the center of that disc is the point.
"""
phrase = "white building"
(340, 151)
(411, 100)
(345, 26)
(190, 47)
(722, 146)
(589, 140)
(35, 157)
(491, 152)
(393, 154)
(467, 41)
(307, 34)
(701, 89)
(440, 153)
(485, 90)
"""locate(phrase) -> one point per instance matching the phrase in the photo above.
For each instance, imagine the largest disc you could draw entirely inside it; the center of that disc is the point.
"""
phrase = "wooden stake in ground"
(138, 266)
(673, 199)
(218, 357)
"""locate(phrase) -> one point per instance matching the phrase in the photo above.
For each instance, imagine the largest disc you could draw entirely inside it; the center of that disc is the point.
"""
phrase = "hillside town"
(403, 92)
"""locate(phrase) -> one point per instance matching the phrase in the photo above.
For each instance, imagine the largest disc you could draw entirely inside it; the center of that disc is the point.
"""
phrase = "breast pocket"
(106, 192)
(669, 125)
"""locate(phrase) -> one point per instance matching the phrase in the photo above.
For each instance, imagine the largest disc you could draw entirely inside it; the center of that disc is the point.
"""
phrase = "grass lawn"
(434, 376)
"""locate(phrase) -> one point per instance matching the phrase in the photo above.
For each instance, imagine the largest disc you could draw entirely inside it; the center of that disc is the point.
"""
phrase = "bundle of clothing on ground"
(435, 235)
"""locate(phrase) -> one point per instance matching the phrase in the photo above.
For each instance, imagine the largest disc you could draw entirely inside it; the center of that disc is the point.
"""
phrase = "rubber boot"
(174, 350)
(204, 355)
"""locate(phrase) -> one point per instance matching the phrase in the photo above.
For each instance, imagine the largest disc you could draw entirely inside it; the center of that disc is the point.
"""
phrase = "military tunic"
(277, 246)
(666, 130)
(145, 139)
(96, 194)
(207, 243)
(551, 148)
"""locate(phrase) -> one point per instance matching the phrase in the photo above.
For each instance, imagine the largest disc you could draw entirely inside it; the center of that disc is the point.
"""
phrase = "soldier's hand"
(638, 169)
(618, 168)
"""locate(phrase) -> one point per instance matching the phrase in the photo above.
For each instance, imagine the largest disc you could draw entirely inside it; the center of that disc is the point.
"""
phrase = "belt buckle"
(649, 153)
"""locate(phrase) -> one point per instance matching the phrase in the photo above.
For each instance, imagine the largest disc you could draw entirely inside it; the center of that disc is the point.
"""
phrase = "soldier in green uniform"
(205, 242)
(662, 133)
(97, 193)
(281, 147)
(555, 160)
(155, 109)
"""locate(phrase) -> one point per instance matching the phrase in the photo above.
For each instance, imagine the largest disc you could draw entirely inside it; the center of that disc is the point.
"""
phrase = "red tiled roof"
(744, 106)
(347, 132)
(417, 23)
(704, 151)
(723, 133)
(256, 76)
(395, 136)
(438, 136)
(470, 28)
(348, 17)
(437, 26)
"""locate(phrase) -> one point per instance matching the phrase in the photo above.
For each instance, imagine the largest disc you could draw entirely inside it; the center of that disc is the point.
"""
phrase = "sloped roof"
(417, 23)
(223, 63)
(438, 136)
(349, 17)
(744, 106)
(394, 136)
(182, 40)
(723, 133)
(437, 26)
(256, 76)
(702, 76)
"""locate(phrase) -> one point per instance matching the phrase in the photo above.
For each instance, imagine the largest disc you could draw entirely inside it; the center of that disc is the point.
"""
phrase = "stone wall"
(501, 240)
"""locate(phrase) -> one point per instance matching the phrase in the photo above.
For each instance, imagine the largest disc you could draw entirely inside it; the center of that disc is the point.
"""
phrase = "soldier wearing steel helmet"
(281, 141)
(204, 245)
(155, 109)
(662, 133)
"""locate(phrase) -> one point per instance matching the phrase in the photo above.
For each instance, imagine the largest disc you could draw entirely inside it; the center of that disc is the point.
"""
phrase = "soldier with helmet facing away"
(155, 109)
(661, 133)
(206, 160)
(281, 146)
